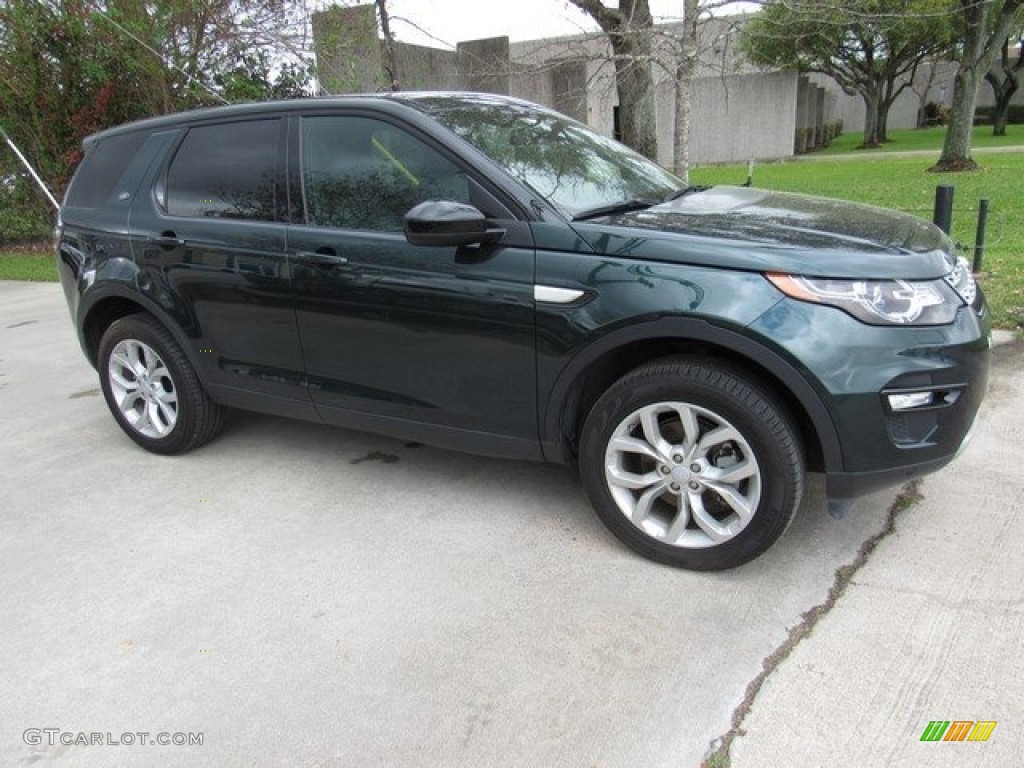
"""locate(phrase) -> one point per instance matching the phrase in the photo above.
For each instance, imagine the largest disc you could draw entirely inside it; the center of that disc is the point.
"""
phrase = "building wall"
(738, 113)
(422, 68)
(733, 119)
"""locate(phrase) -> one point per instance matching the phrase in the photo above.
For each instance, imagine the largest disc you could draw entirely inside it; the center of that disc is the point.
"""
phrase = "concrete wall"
(422, 68)
(485, 64)
(348, 52)
(738, 118)
(904, 112)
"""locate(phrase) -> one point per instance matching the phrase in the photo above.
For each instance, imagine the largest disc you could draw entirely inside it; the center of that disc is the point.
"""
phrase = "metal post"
(979, 238)
(31, 170)
(943, 217)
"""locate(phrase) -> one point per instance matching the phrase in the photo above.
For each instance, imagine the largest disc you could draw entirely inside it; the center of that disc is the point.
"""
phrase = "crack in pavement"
(719, 749)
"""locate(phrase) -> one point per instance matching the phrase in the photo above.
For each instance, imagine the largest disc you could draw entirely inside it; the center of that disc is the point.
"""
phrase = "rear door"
(212, 239)
(435, 342)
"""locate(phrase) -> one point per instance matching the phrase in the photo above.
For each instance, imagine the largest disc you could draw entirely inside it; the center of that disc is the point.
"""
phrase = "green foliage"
(870, 47)
(69, 68)
(850, 40)
(25, 216)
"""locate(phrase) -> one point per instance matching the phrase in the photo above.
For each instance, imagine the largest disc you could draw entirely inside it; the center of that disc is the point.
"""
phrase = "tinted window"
(102, 168)
(227, 171)
(361, 173)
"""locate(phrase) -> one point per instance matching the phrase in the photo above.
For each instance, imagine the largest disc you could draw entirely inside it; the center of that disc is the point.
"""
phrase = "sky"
(446, 22)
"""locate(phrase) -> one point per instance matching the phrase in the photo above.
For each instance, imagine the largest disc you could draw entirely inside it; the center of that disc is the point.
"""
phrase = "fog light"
(911, 400)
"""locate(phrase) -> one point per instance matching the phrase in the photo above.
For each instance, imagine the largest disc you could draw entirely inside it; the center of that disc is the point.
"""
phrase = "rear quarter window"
(104, 164)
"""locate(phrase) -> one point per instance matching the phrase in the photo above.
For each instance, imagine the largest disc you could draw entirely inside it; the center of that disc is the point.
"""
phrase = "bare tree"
(686, 67)
(390, 62)
(629, 30)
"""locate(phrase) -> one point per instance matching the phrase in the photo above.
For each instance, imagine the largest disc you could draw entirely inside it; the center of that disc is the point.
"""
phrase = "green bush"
(25, 216)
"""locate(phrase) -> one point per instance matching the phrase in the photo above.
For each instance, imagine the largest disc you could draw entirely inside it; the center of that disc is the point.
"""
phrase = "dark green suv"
(480, 273)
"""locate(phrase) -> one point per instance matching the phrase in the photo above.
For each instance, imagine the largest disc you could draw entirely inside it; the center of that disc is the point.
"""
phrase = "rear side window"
(226, 171)
(101, 169)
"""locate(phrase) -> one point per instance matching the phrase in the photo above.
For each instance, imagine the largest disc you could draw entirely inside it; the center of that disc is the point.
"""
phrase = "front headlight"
(877, 302)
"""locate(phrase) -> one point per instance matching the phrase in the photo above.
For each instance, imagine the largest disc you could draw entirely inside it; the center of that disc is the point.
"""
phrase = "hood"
(761, 230)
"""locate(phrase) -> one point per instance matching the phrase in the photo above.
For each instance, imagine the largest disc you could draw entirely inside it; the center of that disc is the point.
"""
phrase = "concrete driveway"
(297, 595)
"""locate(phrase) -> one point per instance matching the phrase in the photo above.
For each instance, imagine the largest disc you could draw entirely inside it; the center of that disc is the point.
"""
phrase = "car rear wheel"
(152, 389)
(692, 463)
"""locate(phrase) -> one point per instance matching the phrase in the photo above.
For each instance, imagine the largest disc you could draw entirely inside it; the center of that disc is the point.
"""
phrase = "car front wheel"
(692, 463)
(152, 389)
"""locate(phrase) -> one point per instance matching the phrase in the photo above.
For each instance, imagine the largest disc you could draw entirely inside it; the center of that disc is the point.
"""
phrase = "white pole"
(31, 170)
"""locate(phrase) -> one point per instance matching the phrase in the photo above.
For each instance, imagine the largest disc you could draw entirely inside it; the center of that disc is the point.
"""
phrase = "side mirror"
(443, 222)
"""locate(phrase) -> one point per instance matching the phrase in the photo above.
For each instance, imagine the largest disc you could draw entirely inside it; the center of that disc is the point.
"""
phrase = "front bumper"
(864, 375)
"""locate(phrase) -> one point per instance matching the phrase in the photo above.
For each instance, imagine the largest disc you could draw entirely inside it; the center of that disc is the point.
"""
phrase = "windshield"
(561, 160)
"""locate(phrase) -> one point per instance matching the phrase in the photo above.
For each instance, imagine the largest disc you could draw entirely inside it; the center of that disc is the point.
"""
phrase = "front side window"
(226, 171)
(363, 173)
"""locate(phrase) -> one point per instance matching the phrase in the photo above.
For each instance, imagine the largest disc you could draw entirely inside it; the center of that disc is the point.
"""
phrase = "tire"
(692, 463)
(151, 388)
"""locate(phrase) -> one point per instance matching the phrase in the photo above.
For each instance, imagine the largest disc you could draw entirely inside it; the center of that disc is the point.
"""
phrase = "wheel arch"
(102, 309)
(598, 366)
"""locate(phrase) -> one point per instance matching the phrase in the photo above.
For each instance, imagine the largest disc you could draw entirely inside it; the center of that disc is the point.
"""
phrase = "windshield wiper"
(623, 206)
(683, 192)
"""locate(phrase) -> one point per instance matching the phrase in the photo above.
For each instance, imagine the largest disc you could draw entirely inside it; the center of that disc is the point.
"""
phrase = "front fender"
(557, 417)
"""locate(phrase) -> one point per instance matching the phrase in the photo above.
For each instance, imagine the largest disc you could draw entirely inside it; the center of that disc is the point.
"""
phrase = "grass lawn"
(923, 138)
(28, 265)
(904, 184)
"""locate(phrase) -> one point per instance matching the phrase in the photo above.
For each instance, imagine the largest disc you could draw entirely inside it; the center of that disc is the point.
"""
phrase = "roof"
(405, 98)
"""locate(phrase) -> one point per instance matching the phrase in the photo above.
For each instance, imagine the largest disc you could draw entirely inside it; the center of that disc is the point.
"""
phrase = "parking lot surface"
(307, 596)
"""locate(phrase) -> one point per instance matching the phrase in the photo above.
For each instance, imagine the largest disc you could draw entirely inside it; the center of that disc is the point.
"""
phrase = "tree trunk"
(629, 29)
(1003, 79)
(684, 91)
(1000, 117)
(986, 26)
(882, 130)
(635, 85)
(956, 150)
(871, 100)
(681, 135)
(390, 62)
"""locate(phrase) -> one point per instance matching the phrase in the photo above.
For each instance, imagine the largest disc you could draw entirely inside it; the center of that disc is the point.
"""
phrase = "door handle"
(326, 260)
(166, 240)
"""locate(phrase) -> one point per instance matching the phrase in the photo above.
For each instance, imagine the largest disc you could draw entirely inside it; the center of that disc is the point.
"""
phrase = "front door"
(428, 342)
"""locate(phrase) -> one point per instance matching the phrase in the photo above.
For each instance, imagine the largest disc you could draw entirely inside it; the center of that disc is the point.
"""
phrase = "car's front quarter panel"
(627, 300)
(839, 369)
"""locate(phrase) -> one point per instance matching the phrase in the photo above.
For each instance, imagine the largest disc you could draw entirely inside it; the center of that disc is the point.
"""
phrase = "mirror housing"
(445, 222)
